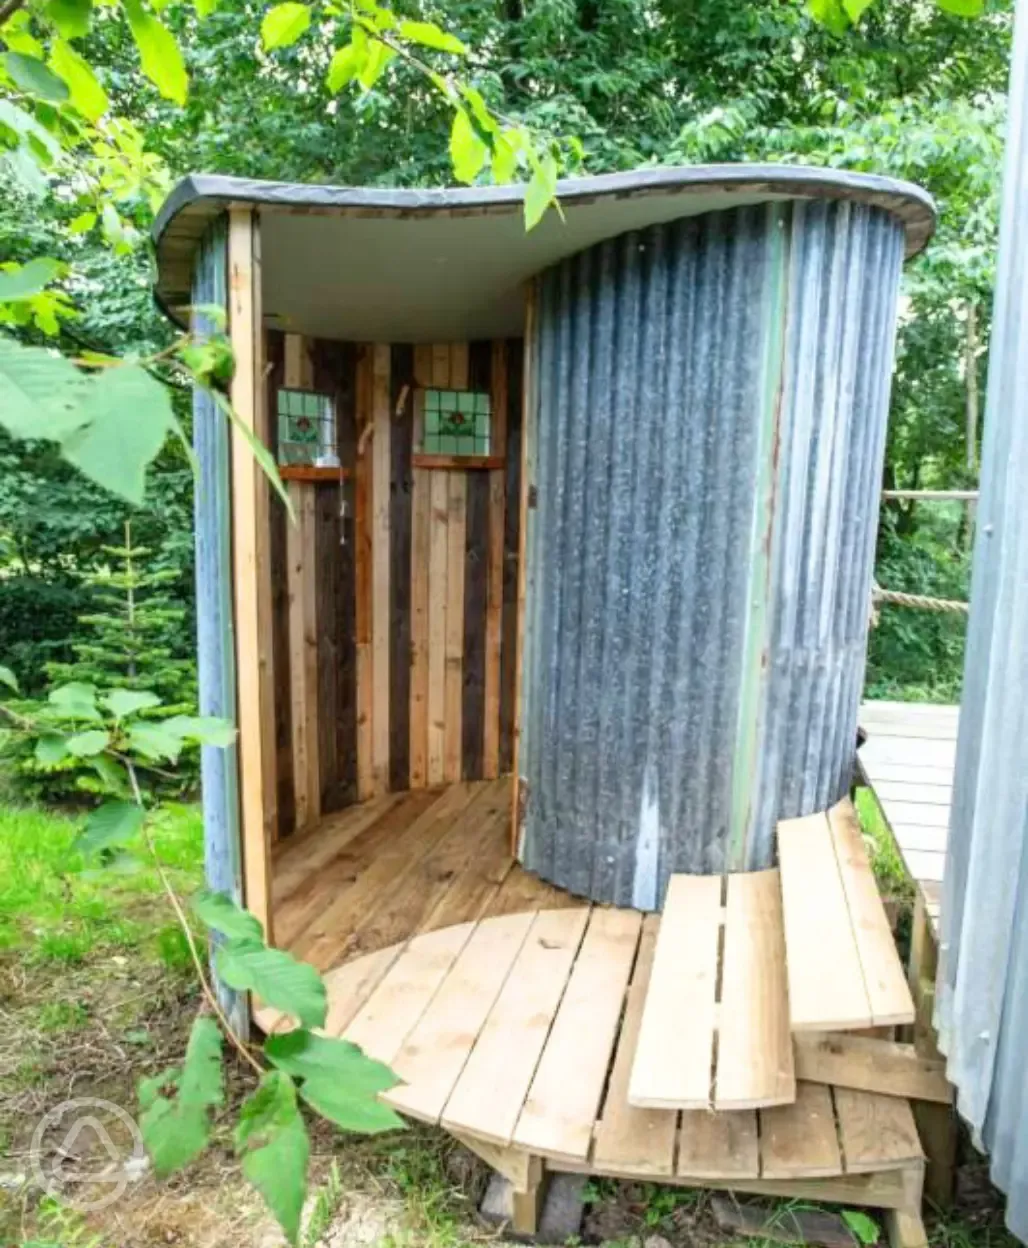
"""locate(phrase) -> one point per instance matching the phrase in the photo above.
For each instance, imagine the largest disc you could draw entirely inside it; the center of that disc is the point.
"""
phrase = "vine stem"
(183, 919)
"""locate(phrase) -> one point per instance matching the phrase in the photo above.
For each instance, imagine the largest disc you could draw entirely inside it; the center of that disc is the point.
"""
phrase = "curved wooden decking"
(517, 1034)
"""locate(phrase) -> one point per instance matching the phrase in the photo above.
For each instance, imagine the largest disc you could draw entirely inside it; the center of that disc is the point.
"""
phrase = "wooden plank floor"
(908, 761)
(380, 872)
(519, 1031)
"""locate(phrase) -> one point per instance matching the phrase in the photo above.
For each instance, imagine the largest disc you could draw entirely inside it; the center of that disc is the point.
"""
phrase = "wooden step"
(704, 984)
(844, 972)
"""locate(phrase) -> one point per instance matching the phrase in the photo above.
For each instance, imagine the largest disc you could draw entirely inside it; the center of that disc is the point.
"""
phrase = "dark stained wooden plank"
(400, 487)
(476, 555)
(277, 521)
(509, 643)
(335, 366)
(327, 595)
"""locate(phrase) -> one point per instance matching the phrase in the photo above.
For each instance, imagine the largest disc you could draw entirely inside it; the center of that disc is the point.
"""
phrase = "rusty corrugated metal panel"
(709, 411)
(982, 991)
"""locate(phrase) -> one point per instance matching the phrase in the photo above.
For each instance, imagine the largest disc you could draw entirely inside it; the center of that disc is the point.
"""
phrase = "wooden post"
(250, 568)
(527, 485)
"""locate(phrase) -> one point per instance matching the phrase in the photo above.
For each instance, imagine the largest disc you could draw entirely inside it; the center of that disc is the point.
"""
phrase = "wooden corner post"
(251, 575)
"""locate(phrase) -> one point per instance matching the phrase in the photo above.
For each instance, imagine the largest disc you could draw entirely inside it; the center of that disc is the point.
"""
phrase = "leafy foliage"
(176, 1131)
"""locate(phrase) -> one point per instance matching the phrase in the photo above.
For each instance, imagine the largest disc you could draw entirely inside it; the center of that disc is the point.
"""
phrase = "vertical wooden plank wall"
(394, 634)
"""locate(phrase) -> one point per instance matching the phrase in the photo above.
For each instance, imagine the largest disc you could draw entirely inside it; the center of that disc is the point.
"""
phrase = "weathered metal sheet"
(219, 774)
(708, 416)
(982, 994)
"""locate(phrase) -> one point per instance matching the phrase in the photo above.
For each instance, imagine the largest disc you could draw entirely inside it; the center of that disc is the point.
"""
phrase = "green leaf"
(207, 729)
(159, 54)
(339, 1081)
(295, 987)
(33, 77)
(86, 744)
(127, 415)
(71, 17)
(962, 8)
(467, 151)
(204, 8)
(831, 14)
(862, 1226)
(272, 1141)
(40, 392)
(176, 1131)
(155, 739)
(122, 702)
(258, 450)
(378, 57)
(86, 93)
(74, 700)
(22, 281)
(112, 775)
(540, 192)
(284, 24)
(110, 825)
(347, 62)
(429, 35)
(504, 158)
(82, 224)
(220, 913)
(8, 678)
(51, 749)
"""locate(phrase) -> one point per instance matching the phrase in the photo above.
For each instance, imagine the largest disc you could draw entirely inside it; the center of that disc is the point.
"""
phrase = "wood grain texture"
(381, 469)
(674, 1053)
(495, 529)
(630, 1140)
(438, 563)
(800, 1139)
(526, 484)
(363, 564)
(296, 559)
(560, 1109)
(473, 713)
(876, 1132)
(488, 1097)
(871, 1065)
(453, 645)
(826, 981)
(250, 569)
(434, 1054)
(887, 991)
(755, 1057)
(718, 1145)
(401, 405)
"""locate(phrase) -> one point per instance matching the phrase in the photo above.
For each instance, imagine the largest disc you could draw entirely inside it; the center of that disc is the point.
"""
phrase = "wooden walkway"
(409, 862)
(908, 761)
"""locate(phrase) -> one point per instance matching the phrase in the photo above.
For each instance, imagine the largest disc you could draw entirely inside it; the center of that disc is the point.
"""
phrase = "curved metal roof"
(410, 265)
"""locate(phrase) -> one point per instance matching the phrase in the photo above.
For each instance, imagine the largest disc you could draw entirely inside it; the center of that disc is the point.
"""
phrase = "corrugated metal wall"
(982, 1011)
(214, 642)
(708, 417)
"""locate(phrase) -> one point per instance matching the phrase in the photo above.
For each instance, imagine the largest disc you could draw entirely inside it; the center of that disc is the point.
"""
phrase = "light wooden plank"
(309, 614)
(250, 567)
(871, 1065)
(453, 691)
(905, 1229)
(300, 857)
(911, 837)
(387, 1017)
(884, 980)
(440, 364)
(458, 365)
(494, 557)
(435, 1052)
(800, 1139)
(381, 452)
(349, 986)
(718, 1145)
(672, 1067)
(754, 1059)
(906, 773)
(560, 1110)
(826, 982)
(631, 1140)
(295, 554)
(363, 555)
(437, 612)
(492, 1087)
(916, 752)
(527, 486)
(421, 516)
(877, 1132)
(917, 813)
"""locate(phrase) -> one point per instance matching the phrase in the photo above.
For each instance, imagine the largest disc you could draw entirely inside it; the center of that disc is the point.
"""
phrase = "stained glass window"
(306, 429)
(456, 422)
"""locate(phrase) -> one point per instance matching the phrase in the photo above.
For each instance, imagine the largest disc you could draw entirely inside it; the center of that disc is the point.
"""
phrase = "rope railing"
(923, 602)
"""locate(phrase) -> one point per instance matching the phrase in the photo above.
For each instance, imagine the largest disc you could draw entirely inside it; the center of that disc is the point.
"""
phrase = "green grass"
(55, 908)
(886, 862)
